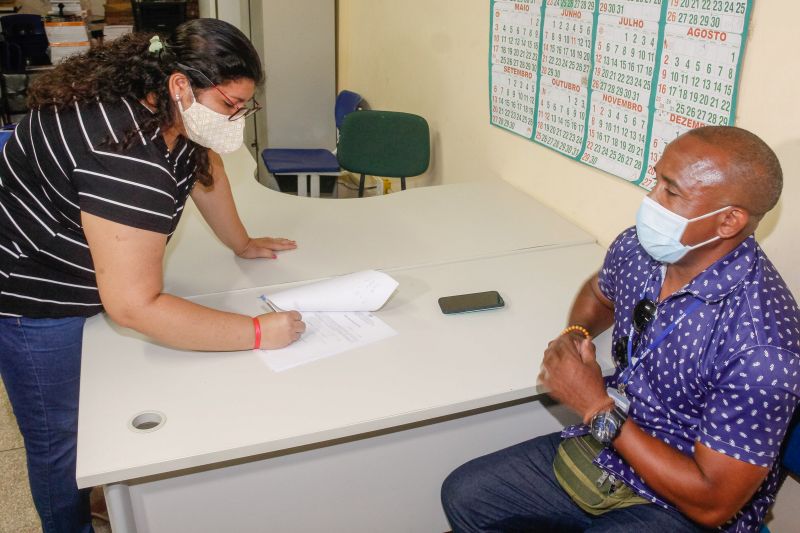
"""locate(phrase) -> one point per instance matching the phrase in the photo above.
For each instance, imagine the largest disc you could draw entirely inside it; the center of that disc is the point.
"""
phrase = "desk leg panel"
(120, 508)
(386, 483)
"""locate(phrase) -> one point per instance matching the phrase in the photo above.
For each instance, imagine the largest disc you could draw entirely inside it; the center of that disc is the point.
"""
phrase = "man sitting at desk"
(706, 340)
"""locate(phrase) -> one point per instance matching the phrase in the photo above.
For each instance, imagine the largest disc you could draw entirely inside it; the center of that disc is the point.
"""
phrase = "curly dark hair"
(125, 68)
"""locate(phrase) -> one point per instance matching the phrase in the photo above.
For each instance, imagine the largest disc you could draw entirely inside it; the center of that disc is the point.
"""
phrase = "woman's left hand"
(265, 247)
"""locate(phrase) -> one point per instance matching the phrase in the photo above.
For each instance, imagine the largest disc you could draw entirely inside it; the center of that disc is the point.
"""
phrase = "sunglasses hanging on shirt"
(643, 313)
(645, 310)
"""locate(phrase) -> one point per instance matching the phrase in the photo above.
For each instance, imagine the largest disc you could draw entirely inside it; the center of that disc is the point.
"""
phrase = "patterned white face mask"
(208, 128)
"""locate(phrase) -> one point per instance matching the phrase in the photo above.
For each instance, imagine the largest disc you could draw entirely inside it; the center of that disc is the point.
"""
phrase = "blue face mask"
(660, 231)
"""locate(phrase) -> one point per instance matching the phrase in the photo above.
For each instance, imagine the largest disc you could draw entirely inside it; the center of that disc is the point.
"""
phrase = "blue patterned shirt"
(726, 376)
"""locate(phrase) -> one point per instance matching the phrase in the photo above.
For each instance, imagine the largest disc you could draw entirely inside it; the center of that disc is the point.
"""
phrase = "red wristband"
(257, 327)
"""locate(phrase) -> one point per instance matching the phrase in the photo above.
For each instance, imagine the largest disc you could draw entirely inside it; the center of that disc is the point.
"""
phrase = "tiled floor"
(348, 187)
(17, 514)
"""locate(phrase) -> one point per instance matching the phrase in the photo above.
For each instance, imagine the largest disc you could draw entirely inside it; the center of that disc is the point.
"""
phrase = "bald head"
(752, 174)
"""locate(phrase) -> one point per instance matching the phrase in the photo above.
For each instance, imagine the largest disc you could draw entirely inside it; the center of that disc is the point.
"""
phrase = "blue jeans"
(40, 362)
(515, 489)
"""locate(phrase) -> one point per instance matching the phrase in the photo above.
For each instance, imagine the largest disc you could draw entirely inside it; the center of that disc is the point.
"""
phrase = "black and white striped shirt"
(59, 163)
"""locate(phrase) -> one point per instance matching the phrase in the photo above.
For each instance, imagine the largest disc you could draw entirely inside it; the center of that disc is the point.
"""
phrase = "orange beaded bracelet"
(576, 327)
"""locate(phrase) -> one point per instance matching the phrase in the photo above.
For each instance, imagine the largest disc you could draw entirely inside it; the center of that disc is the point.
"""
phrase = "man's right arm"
(591, 309)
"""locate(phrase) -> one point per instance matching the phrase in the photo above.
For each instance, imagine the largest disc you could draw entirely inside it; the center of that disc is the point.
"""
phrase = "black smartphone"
(465, 303)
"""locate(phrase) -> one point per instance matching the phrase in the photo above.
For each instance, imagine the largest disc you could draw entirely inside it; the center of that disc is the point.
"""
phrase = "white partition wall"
(237, 12)
(297, 40)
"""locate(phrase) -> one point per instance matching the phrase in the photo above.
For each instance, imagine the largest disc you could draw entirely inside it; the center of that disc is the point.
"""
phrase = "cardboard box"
(112, 31)
(65, 32)
(119, 13)
(59, 51)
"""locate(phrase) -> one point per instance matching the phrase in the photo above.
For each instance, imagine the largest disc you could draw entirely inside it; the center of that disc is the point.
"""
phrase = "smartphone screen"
(464, 303)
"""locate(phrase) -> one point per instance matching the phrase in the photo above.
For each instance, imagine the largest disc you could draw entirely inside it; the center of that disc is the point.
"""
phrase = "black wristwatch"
(606, 426)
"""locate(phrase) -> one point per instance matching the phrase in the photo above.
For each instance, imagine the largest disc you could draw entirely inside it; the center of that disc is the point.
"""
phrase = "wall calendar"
(611, 82)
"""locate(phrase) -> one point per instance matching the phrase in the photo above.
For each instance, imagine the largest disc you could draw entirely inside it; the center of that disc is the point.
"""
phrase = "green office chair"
(384, 143)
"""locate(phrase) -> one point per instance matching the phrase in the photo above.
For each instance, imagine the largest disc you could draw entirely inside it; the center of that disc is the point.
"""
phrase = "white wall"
(297, 43)
(300, 58)
(430, 58)
(207, 8)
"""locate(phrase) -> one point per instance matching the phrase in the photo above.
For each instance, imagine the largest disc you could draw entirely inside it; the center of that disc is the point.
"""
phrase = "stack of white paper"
(361, 291)
(338, 316)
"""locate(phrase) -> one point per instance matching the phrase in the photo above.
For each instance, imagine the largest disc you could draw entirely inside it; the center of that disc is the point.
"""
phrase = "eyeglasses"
(643, 313)
(240, 111)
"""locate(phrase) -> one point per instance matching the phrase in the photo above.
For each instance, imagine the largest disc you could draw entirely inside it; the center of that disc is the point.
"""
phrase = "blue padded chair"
(6, 132)
(346, 103)
(308, 164)
(790, 453)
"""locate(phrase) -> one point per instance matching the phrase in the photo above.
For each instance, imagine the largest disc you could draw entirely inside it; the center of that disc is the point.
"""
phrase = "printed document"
(338, 313)
(328, 334)
(360, 291)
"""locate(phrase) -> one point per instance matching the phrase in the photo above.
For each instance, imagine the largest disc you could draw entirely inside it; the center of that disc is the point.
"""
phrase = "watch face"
(604, 427)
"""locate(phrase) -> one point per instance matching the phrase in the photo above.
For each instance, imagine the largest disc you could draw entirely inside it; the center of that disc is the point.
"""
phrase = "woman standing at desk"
(92, 186)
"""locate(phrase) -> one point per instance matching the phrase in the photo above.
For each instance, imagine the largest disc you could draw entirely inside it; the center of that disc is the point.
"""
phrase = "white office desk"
(419, 226)
(356, 442)
(229, 406)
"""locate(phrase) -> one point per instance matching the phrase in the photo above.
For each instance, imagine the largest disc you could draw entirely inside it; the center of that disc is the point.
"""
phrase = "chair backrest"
(6, 132)
(11, 57)
(27, 32)
(346, 103)
(17, 26)
(790, 452)
(384, 143)
(15, 92)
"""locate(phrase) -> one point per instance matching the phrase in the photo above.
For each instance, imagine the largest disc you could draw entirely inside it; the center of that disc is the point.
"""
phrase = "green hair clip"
(155, 44)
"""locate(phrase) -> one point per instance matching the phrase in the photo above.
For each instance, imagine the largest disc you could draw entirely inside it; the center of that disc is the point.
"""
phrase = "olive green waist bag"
(590, 487)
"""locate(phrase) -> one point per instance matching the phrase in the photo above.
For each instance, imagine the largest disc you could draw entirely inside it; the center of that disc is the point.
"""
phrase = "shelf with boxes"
(66, 37)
